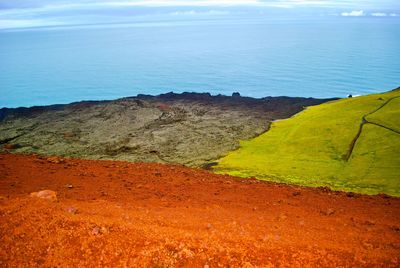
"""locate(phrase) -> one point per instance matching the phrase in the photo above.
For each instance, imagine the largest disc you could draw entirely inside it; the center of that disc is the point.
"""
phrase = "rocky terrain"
(190, 129)
(58, 212)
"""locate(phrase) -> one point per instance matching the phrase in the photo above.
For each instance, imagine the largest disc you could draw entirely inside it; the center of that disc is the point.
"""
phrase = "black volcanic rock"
(189, 128)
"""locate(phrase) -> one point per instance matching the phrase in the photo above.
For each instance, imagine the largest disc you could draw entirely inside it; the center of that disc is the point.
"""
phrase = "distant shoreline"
(170, 94)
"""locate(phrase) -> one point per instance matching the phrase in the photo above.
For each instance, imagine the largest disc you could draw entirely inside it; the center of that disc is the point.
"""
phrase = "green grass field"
(313, 147)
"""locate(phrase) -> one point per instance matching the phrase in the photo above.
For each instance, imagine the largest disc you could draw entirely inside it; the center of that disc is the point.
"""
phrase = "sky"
(39, 13)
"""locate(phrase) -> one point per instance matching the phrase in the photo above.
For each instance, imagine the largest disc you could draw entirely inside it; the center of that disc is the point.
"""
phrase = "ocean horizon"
(258, 57)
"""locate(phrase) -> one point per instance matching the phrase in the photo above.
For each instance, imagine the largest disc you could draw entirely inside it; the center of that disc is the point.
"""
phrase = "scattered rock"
(208, 166)
(369, 222)
(69, 186)
(282, 217)
(55, 160)
(72, 210)
(324, 189)
(69, 135)
(10, 146)
(395, 228)
(296, 193)
(45, 194)
(328, 212)
(384, 196)
(163, 107)
(236, 94)
(351, 195)
(367, 245)
(96, 230)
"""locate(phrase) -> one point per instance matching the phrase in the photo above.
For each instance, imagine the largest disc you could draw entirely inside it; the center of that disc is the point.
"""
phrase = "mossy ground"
(312, 147)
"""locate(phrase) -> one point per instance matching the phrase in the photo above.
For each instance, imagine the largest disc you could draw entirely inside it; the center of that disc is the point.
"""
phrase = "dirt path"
(118, 214)
(364, 121)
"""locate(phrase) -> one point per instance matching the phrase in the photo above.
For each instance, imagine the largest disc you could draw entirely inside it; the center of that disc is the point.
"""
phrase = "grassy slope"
(310, 148)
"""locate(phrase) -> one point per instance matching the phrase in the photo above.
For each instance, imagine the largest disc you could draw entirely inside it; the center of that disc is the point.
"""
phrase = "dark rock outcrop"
(189, 128)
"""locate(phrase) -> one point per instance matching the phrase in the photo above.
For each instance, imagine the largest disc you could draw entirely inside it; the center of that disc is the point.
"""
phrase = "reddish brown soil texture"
(118, 214)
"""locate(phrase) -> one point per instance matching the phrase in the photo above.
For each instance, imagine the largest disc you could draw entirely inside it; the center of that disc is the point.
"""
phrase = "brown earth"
(120, 214)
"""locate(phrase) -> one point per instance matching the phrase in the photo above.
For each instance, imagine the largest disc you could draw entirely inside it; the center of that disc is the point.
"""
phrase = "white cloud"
(354, 13)
(51, 4)
(194, 12)
(381, 14)
(378, 14)
(165, 3)
(26, 23)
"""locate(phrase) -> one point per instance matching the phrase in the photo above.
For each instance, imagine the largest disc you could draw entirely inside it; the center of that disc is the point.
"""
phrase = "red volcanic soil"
(119, 214)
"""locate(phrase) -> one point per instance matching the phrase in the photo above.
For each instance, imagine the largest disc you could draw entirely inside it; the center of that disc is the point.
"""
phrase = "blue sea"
(256, 57)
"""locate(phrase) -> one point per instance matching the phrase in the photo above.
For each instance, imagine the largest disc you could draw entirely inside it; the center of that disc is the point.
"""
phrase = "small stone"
(69, 186)
(72, 210)
(367, 245)
(69, 135)
(395, 228)
(296, 193)
(55, 160)
(96, 230)
(370, 222)
(45, 194)
(235, 94)
(351, 194)
(324, 189)
(384, 196)
(9, 146)
(328, 212)
(282, 217)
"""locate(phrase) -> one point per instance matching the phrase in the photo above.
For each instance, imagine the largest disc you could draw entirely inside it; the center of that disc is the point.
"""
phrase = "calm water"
(320, 58)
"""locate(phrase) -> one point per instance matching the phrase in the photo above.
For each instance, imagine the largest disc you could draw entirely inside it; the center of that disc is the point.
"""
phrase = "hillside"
(119, 214)
(350, 144)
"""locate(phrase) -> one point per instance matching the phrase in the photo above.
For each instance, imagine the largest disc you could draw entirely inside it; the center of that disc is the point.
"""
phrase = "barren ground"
(124, 214)
(190, 128)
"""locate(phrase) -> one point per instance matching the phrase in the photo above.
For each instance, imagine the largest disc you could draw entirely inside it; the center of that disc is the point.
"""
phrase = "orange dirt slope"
(119, 214)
